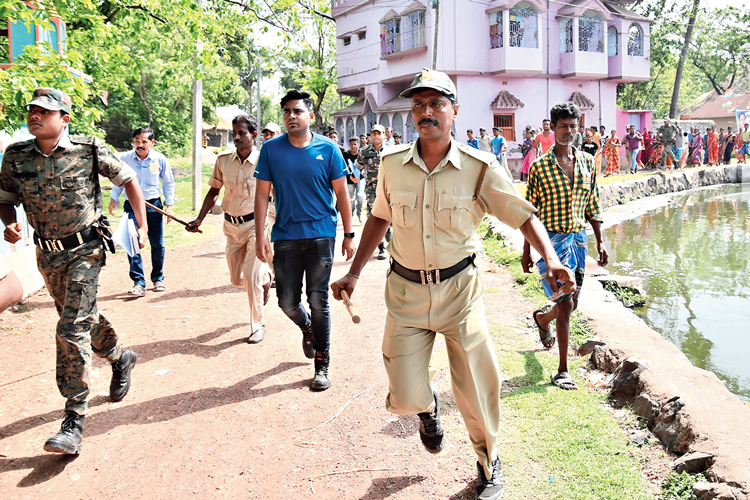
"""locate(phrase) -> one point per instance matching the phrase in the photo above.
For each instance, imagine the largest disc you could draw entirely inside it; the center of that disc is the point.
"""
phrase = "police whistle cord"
(149, 205)
(350, 307)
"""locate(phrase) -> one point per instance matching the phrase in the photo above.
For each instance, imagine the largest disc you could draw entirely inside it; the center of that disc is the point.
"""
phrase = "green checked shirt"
(564, 207)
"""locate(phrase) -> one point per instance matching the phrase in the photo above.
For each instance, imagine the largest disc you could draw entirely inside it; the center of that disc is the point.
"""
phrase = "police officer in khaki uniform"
(435, 192)
(234, 171)
(56, 179)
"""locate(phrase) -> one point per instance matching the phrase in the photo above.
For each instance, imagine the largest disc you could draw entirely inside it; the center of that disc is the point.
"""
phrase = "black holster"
(105, 231)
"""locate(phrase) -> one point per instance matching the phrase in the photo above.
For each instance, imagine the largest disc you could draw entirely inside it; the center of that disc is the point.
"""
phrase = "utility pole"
(436, 4)
(260, 114)
(197, 125)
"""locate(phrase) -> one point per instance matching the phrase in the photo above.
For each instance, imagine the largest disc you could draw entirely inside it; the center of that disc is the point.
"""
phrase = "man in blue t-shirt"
(305, 170)
(498, 145)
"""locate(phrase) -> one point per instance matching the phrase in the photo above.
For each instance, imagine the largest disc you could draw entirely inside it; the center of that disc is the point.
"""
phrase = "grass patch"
(555, 444)
(680, 486)
(627, 296)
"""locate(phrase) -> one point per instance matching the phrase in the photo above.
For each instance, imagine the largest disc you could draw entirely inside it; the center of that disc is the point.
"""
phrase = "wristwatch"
(349, 235)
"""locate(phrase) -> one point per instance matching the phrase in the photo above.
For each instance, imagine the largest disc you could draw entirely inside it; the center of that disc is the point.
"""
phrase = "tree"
(683, 58)
(721, 50)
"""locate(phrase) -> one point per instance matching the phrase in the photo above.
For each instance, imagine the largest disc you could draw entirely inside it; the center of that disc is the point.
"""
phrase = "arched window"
(566, 35)
(611, 41)
(523, 26)
(496, 29)
(398, 124)
(411, 130)
(361, 126)
(350, 132)
(384, 121)
(340, 128)
(590, 32)
(635, 41)
(372, 120)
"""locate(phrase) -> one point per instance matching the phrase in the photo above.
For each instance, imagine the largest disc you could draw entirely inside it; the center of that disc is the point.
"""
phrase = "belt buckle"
(437, 276)
(422, 276)
(234, 219)
(54, 245)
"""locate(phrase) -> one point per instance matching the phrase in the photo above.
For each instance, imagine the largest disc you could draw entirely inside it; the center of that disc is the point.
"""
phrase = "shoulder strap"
(481, 180)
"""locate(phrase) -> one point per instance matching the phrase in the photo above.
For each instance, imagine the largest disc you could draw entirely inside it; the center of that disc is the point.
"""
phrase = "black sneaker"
(121, 369)
(70, 437)
(431, 428)
(307, 342)
(321, 382)
(492, 488)
(381, 252)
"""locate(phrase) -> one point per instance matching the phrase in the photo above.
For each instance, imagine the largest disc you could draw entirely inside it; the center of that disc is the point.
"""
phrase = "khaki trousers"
(455, 309)
(245, 269)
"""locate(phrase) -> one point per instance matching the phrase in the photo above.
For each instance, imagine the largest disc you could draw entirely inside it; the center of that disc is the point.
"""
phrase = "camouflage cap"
(379, 128)
(53, 99)
(272, 127)
(429, 79)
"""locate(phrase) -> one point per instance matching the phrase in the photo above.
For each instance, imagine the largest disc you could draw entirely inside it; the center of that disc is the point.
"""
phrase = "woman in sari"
(697, 150)
(656, 150)
(529, 154)
(612, 153)
(648, 144)
(713, 147)
(729, 149)
(738, 148)
(722, 145)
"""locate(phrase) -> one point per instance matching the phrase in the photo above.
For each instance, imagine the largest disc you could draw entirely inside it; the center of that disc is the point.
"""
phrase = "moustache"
(428, 120)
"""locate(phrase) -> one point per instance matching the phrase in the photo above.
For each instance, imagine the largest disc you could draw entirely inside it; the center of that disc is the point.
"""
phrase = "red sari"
(713, 148)
(612, 152)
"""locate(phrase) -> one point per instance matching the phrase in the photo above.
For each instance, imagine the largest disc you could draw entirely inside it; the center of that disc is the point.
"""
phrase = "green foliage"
(626, 295)
(680, 486)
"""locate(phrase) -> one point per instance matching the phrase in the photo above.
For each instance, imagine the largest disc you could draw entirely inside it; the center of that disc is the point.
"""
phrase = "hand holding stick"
(350, 307)
(149, 205)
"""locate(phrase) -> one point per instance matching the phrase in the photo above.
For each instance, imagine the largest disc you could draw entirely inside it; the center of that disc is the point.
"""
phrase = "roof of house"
(712, 108)
(352, 110)
(222, 124)
(582, 101)
(506, 100)
(625, 13)
(395, 104)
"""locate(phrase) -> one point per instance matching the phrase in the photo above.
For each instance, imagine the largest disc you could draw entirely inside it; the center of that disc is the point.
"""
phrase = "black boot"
(431, 428)
(121, 369)
(307, 342)
(492, 488)
(381, 251)
(321, 382)
(70, 437)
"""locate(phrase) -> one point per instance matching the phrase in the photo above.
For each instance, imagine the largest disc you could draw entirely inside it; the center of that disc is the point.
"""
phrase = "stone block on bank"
(646, 407)
(716, 491)
(693, 463)
(627, 377)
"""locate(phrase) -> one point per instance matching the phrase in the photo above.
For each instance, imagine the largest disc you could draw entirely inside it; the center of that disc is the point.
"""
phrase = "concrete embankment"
(689, 409)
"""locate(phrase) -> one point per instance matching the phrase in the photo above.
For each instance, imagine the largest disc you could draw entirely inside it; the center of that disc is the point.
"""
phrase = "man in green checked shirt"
(562, 185)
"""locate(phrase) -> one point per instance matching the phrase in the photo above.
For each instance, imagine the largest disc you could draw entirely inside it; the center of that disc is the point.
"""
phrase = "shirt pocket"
(152, 175)
(404, 208)
(584, 180)
(28, 185)
(454, 211)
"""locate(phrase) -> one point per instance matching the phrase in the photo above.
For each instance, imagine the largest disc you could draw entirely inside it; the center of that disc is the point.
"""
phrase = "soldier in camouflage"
(55, 177)
(368, 161)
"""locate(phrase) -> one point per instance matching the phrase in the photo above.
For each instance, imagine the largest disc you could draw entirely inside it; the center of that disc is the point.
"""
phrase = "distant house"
(219, 135)
(712, 110)
(511, 60)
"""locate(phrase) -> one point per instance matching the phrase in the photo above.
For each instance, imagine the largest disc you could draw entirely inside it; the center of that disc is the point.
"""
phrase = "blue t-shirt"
(301, 180)
(497, 145)
(474, 143)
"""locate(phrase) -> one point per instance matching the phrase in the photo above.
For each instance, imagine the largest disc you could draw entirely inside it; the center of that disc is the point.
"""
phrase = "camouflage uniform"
(368, 160)
(61, 197)
(667, 134)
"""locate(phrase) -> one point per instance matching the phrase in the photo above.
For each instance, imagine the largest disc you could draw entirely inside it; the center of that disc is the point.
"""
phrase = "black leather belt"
(240, 219)
(434, 276)
(67, 243)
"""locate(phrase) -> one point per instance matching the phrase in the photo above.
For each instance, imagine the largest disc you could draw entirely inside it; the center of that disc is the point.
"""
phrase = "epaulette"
(483, 156)
(398, 148)
(228, 152)
(83, 139)
(19, 145)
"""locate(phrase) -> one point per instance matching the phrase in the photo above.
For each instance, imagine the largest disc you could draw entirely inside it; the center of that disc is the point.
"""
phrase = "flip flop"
(564, 381)
(546, 336)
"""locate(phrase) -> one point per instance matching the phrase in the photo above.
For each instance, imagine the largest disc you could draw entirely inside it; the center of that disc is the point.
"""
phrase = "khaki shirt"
(434, 215)
(59, 192)
(238, 181)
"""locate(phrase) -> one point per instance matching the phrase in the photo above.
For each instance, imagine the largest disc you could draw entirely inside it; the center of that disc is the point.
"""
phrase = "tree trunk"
(683, 58)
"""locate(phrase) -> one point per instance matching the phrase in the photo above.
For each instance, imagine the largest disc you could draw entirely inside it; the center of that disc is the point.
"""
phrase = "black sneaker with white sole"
(431, 428)
(492, 488)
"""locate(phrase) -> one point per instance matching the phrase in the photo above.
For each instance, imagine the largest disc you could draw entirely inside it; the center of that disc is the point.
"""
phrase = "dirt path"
(209, 416)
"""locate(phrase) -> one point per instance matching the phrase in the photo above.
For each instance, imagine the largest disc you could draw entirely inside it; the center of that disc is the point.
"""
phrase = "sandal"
(546, 336)
(564, 381)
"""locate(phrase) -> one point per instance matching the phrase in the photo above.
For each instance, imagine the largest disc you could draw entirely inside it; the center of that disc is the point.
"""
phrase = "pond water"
(693, 255)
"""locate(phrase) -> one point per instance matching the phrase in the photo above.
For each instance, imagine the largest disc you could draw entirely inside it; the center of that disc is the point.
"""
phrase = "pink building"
(511, 60)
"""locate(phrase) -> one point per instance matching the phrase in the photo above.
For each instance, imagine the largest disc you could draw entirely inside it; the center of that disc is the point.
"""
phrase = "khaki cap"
(272, 127)
(379, 128)
(429, 79)
(53, 99)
